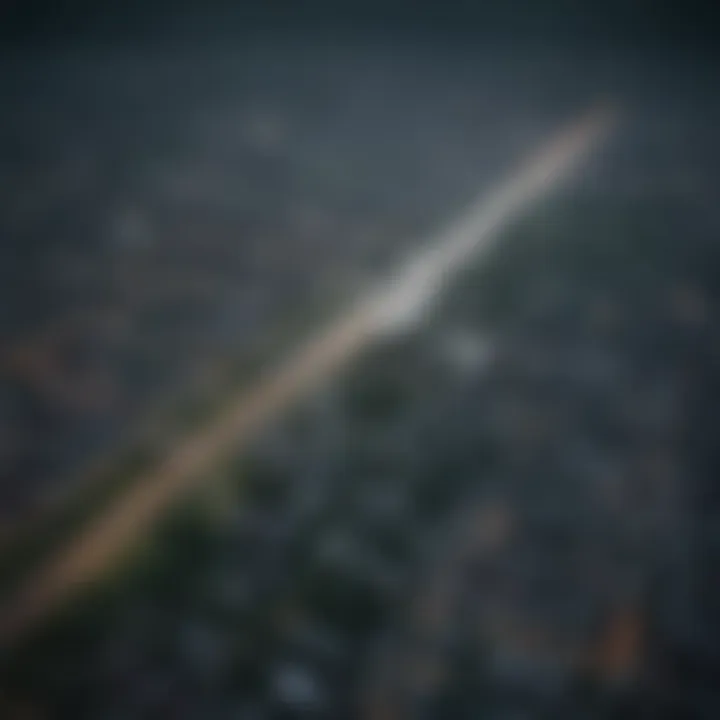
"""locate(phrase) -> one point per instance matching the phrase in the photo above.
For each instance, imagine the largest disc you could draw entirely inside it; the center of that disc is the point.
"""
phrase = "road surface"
(401, 300)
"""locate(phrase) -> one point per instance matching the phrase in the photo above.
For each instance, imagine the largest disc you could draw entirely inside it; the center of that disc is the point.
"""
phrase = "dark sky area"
(635, 22)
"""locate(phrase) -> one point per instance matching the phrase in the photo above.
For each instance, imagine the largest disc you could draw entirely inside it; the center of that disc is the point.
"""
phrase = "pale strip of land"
(401, 300)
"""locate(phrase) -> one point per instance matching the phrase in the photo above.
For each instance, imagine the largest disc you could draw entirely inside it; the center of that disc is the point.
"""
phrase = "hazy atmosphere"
(359, 360)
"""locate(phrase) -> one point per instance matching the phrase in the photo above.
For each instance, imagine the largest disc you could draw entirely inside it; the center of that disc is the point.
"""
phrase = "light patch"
(467, 351)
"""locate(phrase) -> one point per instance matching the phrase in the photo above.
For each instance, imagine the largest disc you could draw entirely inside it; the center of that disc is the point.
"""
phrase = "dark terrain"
(510, 512)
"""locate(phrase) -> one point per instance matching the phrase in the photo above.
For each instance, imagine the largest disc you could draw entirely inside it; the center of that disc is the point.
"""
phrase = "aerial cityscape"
(505, 508)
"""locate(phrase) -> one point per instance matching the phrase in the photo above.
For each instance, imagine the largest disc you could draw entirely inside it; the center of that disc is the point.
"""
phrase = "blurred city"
(500, 502)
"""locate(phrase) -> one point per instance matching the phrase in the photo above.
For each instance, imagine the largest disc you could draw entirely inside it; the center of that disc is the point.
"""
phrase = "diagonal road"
(400, 301)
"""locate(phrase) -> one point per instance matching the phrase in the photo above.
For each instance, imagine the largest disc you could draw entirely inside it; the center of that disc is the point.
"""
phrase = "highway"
(399, 301)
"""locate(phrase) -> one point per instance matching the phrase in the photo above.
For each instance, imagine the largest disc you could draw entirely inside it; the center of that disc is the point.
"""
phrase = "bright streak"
(411, 293)
(401, 301)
